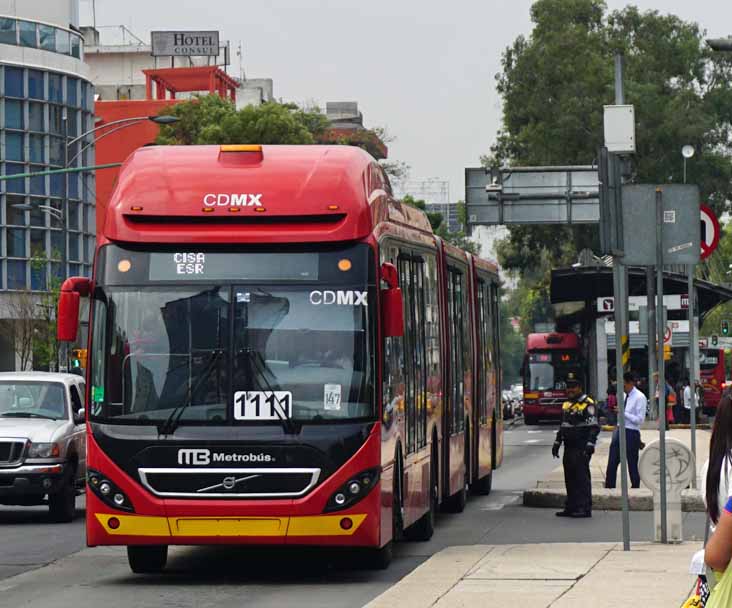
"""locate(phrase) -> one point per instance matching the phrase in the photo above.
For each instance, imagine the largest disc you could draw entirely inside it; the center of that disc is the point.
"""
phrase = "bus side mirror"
(72, 290)
(392, 308)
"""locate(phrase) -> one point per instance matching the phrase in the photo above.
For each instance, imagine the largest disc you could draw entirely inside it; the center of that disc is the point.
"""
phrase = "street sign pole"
(693, 346)
(661, 330)
(651, 303)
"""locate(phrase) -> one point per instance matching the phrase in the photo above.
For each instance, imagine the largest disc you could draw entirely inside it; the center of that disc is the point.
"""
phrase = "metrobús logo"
(232, 200)
(202, 456)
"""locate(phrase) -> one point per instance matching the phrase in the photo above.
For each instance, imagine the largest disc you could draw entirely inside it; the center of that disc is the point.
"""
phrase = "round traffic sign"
(667, 335)
(710, 231)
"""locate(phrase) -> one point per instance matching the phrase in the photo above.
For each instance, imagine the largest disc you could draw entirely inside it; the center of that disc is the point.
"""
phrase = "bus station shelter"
(582, 296)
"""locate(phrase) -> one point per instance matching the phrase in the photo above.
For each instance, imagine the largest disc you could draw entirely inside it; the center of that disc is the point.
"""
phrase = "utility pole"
(660, 331)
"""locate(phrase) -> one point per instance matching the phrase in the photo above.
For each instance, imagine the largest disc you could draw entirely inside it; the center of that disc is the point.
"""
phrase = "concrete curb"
(703, 425)
(604, 499)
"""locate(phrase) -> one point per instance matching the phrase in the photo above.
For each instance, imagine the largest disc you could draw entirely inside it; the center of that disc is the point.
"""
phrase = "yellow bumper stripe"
(315, 525)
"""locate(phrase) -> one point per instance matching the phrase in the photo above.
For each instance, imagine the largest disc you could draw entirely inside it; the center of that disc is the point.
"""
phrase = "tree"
(554, 85)
(439, 226)
(19, 330)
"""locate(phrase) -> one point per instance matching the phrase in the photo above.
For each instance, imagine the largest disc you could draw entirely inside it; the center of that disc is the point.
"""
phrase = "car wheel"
(149, 559)
(62, 504)
(530, 420)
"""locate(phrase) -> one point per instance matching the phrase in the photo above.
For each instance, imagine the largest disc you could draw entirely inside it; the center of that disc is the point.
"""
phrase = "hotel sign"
(185, 44)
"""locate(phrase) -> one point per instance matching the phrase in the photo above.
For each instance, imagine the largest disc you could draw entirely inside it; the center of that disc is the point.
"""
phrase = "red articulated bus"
(713, 377)
(280, 353)
(548, 360)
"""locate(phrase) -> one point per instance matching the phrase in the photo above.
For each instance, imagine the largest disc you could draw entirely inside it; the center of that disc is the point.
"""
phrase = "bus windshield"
(708, 359)
(548, 370)
(234, 351)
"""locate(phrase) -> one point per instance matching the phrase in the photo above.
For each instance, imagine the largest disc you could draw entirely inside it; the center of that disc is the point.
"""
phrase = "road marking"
(503, 501)
(534, 432)
(532, 441)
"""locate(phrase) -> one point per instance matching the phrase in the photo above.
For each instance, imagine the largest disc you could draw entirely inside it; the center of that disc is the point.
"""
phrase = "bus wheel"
(483, 486)
(423, 529)
(149, 559)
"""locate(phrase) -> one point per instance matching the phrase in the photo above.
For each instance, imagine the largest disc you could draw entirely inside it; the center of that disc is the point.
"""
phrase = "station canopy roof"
(580, 284)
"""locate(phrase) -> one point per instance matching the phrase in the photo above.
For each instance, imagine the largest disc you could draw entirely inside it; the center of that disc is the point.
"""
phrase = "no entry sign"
(709, 231)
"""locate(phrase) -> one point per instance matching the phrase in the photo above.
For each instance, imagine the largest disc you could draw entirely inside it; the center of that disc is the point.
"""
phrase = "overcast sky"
(423, 69)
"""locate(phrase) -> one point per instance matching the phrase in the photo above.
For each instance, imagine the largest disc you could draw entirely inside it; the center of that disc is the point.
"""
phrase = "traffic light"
(725, 327)
(78, 358)
(715, 341)
(667, 352)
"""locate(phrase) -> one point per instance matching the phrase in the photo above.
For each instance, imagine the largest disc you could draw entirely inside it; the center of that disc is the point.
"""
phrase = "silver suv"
(42, 441)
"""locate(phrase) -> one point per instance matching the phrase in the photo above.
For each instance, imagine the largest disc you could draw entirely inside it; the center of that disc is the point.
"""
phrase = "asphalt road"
(222, 577)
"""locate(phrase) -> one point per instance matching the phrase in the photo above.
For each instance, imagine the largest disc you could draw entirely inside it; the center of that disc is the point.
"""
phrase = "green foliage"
(45, 345)
(554, 85)
(439, 226)
(512, 347)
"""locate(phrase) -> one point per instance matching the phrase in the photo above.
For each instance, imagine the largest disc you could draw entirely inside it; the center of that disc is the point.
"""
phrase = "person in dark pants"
(635, 414)
(578, 431)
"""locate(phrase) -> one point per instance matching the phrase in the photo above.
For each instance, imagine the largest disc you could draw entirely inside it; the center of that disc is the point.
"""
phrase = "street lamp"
(687, 152)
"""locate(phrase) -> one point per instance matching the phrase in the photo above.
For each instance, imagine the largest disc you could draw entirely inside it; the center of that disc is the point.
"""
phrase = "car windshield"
(548, 371)
(234, 353)
(32, 399)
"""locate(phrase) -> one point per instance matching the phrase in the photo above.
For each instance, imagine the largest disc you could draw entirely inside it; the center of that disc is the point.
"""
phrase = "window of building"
(38, 183)
(38, 243)
(72, 96)
(14, 149)
(63, 42)
(56, 151)
(36, 85)
(8, 31)
(15, 185)
(72, 123)
(47, 37)
(13, 114)
(73, 185)
(73, 216)
(38, 276)
(36, 149)
(16, 274)
(13, 215)
(16, 243)
(57, 184)
(74, 250)
(28, 35)
(37, 215)
(36, 120)
(13, 82)
(55, 88)
(75, 47)
(55, 116)
(57, 244)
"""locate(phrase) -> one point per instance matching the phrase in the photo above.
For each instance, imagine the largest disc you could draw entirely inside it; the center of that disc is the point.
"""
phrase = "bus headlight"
(108, 492)
(353, 490)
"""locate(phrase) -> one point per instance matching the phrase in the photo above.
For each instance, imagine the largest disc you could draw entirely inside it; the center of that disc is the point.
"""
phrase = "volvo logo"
(228, 483)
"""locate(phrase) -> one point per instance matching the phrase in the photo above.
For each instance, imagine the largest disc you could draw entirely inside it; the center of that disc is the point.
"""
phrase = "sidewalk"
(550, 491)
(560, 575)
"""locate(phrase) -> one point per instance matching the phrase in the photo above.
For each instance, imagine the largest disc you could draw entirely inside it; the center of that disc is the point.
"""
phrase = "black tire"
(378, 559)
(530, 421)
(62, 504)
(150, 559)
(423, 529)
(483, 486)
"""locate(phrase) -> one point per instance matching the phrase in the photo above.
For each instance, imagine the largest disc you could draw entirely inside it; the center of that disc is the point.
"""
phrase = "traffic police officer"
(578, 432)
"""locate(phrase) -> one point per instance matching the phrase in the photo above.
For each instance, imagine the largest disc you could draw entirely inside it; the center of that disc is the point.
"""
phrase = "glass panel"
(72, 123)
(47, 37)
(57, 185)
(74, 185)
(56, 274)
(74, 246)
(37, 215)
(13, 113)
(56, 214)
(57, 151)
(13, 215)
(15, 185)
(75, 47)
(91, 219)
(38, 276)
(74, 270)
(72, 97)
(38, 184)
(55, 88)
(73, 216)
(55, 115)
(38, 243)
(28, 34)
(36, 85)
(14, 149)
(8, 31)
(57, 244)
(13, 82)
(84, 96)
(37, 154)
(35, 117)
(16, 243)
(16, 274)
(63, 44)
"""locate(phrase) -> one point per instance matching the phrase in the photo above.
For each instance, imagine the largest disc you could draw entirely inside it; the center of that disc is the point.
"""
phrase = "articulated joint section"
(317, 525)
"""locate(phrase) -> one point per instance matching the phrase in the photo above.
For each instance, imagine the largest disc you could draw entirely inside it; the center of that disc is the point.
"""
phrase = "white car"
(42, 441)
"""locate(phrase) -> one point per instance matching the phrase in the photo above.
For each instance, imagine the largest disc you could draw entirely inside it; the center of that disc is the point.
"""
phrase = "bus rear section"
(549, 358)
(236, 384)
(712, 377)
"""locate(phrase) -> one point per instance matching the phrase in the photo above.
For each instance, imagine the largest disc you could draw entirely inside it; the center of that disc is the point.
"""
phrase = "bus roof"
(230, 194)
(552, 341)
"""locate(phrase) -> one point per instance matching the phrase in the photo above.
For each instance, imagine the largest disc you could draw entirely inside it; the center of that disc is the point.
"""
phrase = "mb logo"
(194, 456)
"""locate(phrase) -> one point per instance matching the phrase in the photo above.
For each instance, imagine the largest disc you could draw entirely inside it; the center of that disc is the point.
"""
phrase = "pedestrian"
(670, 400)
(716, 481)
(612, 405)
(686, 413)
(578, 431)
(635, 413)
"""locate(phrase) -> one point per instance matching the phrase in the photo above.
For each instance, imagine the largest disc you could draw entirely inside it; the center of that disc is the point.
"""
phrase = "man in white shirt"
(687, 401)
(635, 413)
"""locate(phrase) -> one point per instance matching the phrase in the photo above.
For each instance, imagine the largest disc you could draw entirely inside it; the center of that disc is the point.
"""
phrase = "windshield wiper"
(26, 415)
(171, 423)
(287, 424)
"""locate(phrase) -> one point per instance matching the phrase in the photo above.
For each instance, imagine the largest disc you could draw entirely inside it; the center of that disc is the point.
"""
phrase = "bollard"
(680, 469)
